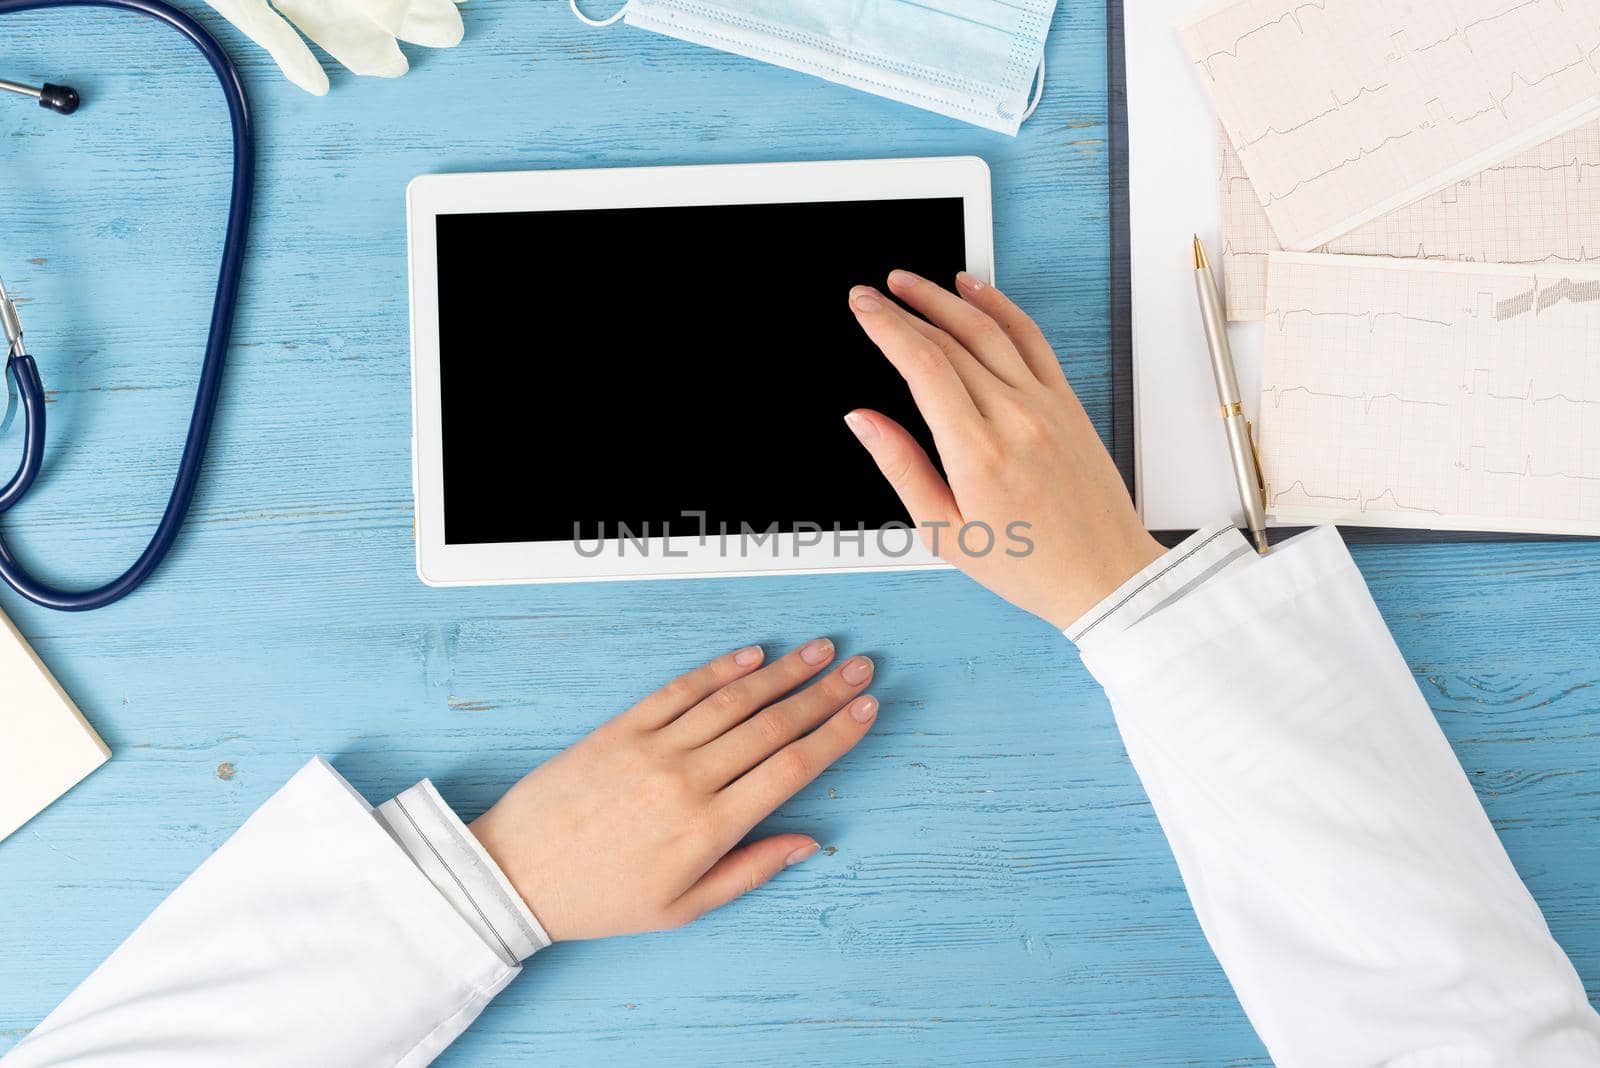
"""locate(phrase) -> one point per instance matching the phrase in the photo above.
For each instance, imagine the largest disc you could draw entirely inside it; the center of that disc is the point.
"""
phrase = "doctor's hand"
(637, 827)
(1017, 446)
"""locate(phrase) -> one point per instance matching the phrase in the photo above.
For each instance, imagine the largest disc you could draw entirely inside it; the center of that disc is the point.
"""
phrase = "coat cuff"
(1192, 563)
(454, 861)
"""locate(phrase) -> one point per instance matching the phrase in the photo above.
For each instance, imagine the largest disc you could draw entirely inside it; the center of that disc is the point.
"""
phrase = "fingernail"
(863, 709)
(857, 671)
(747, 656)
(865, 430)
(805, 852)
(968, 282)
(816, 651)
(865, 300)
(903, 279)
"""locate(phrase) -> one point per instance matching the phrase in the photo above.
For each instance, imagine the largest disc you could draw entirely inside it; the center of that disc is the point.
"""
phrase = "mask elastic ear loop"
(598, 23)
(1038, 89)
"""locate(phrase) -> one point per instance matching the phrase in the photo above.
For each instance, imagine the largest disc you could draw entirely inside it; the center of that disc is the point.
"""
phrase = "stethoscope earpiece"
(62, 98)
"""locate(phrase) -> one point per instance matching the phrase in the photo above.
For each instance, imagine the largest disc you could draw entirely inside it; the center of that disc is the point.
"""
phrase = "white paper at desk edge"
(46, 746)
(1184, 475)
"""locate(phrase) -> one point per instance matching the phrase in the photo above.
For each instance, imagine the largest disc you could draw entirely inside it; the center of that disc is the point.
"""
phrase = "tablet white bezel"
(428, 196)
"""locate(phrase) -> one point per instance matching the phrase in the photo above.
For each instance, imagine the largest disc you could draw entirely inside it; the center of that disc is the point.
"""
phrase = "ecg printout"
(1406, 393)
(1344, 110)
(1247, 238)
(1541, 206)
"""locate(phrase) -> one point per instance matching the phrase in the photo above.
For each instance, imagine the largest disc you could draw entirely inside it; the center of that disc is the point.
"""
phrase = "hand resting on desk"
(635, 827)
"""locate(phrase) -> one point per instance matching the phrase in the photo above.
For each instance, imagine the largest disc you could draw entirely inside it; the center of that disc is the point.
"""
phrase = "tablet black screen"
(624, 366)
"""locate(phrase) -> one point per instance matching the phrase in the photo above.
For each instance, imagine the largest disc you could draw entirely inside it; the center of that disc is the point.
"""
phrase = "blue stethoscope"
(25, 372)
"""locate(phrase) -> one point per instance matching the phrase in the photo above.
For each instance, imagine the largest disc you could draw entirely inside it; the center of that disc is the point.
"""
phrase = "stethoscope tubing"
(209, 388)
(30, 393)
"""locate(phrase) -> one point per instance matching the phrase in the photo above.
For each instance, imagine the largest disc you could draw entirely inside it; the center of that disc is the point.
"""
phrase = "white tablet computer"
(643, 373)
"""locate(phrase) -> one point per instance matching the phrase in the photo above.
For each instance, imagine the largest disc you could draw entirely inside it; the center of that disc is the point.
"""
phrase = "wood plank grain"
(995, 889)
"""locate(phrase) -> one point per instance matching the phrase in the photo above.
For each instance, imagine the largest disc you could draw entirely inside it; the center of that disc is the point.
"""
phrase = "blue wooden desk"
(995, 888)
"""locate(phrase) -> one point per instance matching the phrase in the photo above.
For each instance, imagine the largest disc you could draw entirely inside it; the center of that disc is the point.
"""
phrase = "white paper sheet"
(1447, 396)
(1183, 472)
(1345, 110)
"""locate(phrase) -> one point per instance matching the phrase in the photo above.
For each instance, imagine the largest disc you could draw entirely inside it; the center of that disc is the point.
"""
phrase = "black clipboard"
(1121, 312)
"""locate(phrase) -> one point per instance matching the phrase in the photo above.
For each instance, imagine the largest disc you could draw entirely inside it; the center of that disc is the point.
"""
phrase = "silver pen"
(1241, 444)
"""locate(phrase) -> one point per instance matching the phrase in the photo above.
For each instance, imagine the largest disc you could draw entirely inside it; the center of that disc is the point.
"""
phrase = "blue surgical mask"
(981, 61)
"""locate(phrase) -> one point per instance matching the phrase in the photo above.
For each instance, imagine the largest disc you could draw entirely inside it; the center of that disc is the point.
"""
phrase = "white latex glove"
(363, 35)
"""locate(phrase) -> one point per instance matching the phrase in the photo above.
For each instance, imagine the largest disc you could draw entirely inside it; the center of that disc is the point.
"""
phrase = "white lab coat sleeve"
(1338, 860)
(458, 866)
(309, 938)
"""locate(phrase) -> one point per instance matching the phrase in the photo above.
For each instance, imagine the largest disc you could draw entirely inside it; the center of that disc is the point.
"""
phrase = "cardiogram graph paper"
(1540, 206)
(1344, 110)
(1448, 396)
(1247, 238)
